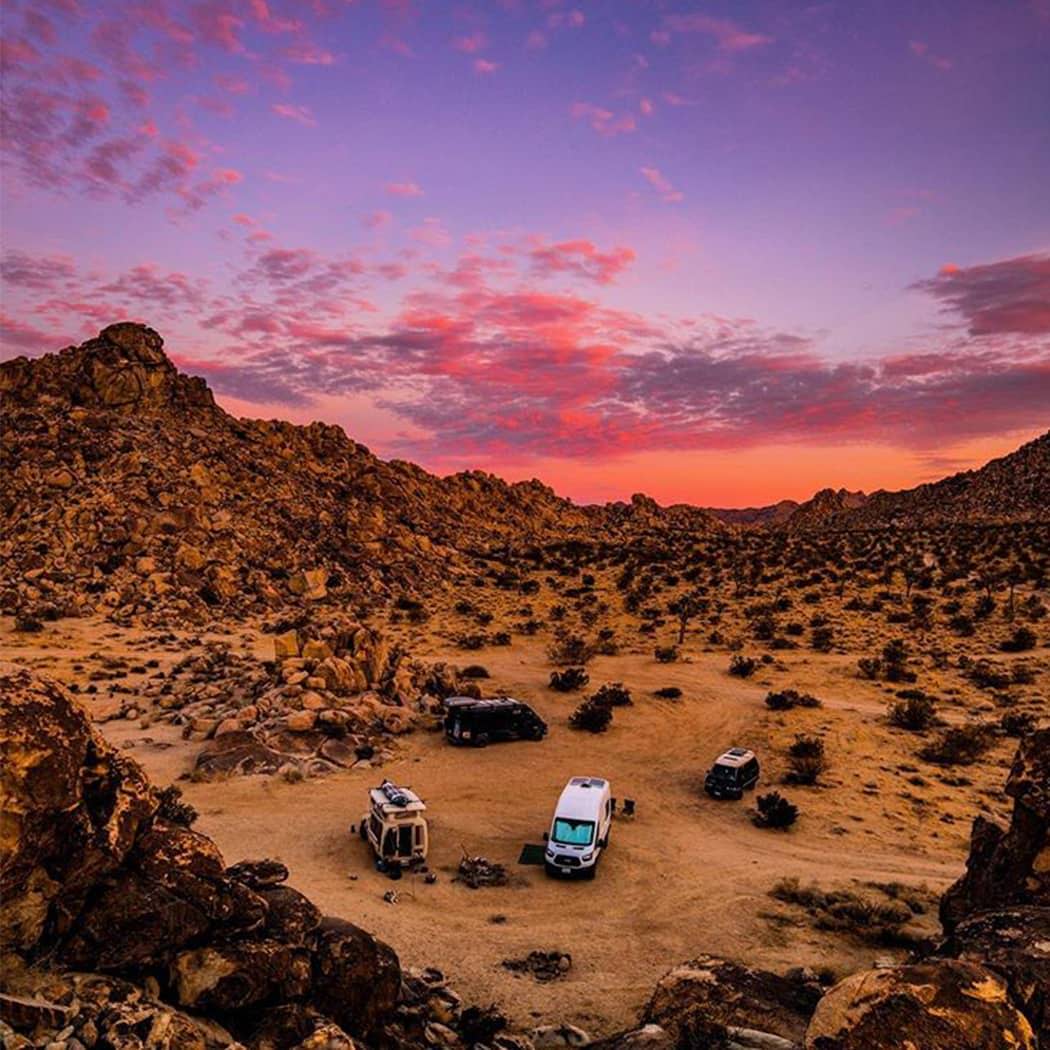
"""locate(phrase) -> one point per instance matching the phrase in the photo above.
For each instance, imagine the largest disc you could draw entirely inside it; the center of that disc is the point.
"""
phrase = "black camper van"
(480, 722)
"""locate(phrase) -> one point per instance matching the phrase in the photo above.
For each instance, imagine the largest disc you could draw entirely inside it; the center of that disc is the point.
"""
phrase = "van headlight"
(550, 852)
(588, 856)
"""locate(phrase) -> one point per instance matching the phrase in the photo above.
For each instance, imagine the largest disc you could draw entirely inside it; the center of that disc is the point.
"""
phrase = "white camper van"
(580, 828)
(395, 827)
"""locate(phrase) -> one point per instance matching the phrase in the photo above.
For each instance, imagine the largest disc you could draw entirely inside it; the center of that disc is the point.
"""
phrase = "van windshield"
(573, 832)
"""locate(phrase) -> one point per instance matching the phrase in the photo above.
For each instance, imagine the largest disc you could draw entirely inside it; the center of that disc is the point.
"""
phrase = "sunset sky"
(723, 253)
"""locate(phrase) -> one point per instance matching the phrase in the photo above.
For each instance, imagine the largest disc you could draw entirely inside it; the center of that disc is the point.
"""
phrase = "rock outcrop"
(998, 913)
(945, 1004)
(96, 877)
(715, 992)
(1010, 866)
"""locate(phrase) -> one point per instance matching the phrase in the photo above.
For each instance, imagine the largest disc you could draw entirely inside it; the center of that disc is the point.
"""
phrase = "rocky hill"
(1012, 488)
(127, 489)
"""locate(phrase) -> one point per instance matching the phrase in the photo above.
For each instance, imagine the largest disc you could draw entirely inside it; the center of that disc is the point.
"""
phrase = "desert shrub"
(986, 675)
(501, 638)
(474, 671)
(822, 639)
(914, 711)
(1022, 675)
(569, 679)
(463, 607)
(845, 911)
(668, 692)
(786, 699)
(894, 658)
(1017, 723)
(570, 649)
(472, 641)
(962, 624)
(613, 694)
(742, 666)
(774, 811)
(807, 760)
(958, 745)
(765, 627)
(1020, 641)
(869, 667)
(794, 629)
(666, 654)
(591, 716)
(984, 607)
(173, 808)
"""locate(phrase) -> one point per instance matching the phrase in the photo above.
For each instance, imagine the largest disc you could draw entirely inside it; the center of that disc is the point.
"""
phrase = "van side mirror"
(545, 836)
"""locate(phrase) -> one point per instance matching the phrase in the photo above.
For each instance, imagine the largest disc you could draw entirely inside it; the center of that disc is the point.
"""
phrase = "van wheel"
(482, 740)
(362, 831)
(589, 873)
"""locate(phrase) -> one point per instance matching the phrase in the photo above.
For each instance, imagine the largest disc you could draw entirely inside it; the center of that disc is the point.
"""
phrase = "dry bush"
(807, 760)
(742, 666)
(568, 680)
(914, 711)
(786, 699)
(845, 911)
(774, 811)
(591, 716)
(570, 649)
(959, 745)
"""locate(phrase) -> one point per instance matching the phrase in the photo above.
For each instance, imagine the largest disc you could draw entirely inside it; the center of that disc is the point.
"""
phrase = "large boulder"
(937, 1005)
(71, 808)
(1009, 866)
(356, 978)
(1015, 943)
(709, 990)
(231, 977)
(100, 872)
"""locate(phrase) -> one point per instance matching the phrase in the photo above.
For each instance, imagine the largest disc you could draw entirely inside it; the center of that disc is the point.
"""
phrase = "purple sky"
(725, 253)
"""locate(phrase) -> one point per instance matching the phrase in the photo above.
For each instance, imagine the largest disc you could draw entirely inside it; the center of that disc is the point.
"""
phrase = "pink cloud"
(921, 49)
(403, 189)
(301, 114)
(662, 185)
(376, 220)
(1010, 296)
(728, 35)
(484, 66)
(582, 259)
(604, 121)
(471, 44)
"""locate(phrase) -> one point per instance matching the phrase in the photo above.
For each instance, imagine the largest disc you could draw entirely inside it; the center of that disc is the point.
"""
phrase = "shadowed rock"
(947, 1005)
(716, 991)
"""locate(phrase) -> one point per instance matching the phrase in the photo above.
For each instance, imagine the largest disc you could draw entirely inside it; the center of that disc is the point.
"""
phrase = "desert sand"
(687, 875)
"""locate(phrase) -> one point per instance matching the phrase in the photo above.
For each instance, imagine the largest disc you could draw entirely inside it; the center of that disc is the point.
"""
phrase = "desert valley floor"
(686, 875)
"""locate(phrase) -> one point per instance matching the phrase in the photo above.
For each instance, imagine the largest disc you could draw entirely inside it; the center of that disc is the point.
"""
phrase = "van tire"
(589, 873)
(481, 740)
(362, 830)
